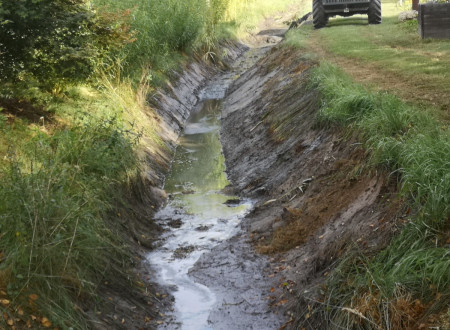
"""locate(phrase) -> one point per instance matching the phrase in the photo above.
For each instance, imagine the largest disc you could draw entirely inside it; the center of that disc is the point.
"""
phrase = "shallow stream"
(198, 215)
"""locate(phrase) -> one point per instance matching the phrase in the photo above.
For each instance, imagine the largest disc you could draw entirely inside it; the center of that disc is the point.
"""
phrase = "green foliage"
(403, 137)
(162, 28)
(54, 41)
(55, 193)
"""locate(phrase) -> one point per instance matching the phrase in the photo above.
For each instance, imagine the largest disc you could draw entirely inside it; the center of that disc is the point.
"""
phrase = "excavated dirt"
(317, 197)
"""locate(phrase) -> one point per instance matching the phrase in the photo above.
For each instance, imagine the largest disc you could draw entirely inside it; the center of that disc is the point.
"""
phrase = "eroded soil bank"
(315, 196)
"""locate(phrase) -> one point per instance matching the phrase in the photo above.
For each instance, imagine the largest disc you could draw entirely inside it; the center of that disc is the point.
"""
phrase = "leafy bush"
(54, 41)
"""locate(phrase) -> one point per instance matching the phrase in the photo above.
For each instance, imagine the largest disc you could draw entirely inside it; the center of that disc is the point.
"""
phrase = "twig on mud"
(301, 188)
(236, 304)
(254, 127)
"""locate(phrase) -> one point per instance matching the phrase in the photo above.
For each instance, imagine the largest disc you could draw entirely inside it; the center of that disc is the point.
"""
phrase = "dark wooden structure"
(434, 20)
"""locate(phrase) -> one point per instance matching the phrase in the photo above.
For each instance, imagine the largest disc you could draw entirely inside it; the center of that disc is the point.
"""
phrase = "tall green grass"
(415, 267)
(248, 14)
(55, 193)
(163, 29)
(405, 138)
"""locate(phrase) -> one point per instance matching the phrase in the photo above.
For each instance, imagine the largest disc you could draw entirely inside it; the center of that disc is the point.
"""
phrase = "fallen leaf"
(272, 275)
(4, 302)
(33, 317)
(10, 322)
(46, 322)
(20, 311)
(160, 322)
(33, 296)
(123, 321)
(281, 302)
(272, 289)
(147, 319)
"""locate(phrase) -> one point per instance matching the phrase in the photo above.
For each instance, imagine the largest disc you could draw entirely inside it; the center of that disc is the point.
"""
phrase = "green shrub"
(54, 42)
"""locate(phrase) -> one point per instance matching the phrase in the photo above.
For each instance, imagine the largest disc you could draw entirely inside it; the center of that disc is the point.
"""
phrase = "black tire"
(374, 12)
(320, 18)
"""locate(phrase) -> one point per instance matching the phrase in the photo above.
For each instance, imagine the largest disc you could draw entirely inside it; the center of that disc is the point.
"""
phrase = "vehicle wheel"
(320, 18)
(374, 12)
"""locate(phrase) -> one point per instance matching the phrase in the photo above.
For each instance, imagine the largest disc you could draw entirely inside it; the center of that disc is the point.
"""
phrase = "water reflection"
(199, 164)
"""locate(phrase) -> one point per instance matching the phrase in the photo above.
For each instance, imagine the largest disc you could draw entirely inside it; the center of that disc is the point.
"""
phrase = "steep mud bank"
(316, 196)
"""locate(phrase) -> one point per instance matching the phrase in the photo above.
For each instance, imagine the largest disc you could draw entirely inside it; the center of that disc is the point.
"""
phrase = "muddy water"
(197, 215)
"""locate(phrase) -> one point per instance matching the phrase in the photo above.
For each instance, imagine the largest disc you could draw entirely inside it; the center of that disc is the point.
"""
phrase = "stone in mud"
(233, 201)
(175, 223)
(202, 228)
(183, 251)
(159, 196)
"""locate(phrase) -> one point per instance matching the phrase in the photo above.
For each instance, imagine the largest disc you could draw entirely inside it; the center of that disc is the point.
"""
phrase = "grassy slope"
(390, 56)
(403, 285)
